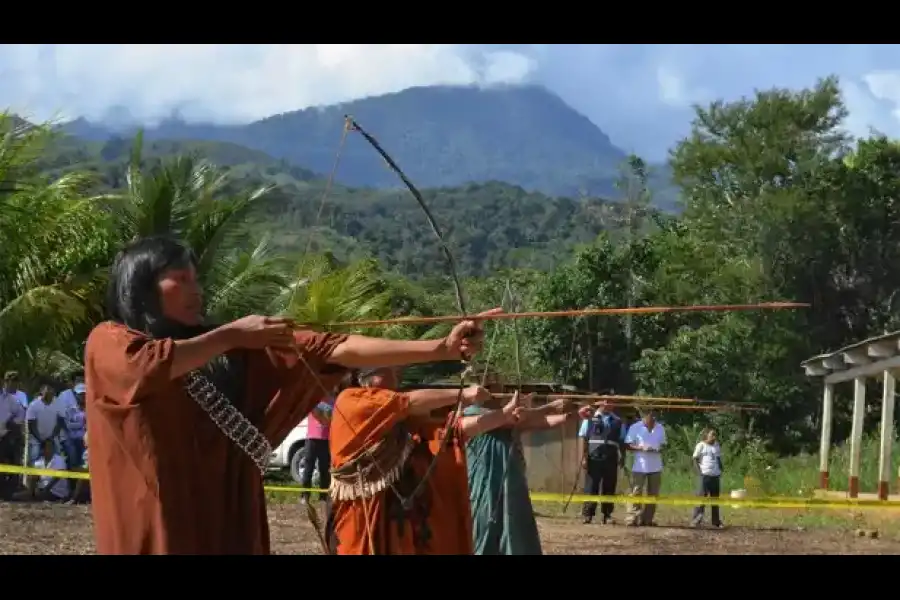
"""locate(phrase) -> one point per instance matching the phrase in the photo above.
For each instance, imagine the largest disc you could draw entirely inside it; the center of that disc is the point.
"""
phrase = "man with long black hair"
(182, 415)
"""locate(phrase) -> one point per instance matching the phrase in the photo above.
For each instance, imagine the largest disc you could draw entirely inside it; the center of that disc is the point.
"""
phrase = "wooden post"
(825, 445)
(859, 409)
(887, 436)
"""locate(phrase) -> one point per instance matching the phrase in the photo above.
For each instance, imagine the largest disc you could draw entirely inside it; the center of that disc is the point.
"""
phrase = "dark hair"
(132, 297)
(47, 386)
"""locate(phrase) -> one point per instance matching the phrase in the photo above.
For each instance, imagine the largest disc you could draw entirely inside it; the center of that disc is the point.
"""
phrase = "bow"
(460, 299)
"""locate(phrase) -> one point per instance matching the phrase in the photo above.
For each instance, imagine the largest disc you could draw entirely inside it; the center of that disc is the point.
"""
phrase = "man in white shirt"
(12, 419)
(76, 426)
(66, 401)
(645, 439)
(11, 387)
(67, 398)
(49, 488)
(45, 422)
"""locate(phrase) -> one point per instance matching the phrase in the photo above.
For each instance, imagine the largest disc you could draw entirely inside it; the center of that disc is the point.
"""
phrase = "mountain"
(439, 135)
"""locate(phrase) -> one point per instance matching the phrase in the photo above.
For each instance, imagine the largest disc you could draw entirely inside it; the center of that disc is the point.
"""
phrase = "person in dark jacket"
(603, 456)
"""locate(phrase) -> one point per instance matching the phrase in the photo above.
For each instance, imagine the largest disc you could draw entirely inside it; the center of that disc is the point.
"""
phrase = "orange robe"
(164, 478)
(441, 521)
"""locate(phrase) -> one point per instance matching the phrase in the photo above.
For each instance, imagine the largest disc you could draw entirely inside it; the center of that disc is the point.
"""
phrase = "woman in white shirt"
(708, 459)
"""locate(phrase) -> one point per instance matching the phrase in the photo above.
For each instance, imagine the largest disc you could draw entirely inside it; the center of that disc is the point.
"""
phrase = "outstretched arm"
(361, 352)
(422, 402)
(552, 414)
(487, 421)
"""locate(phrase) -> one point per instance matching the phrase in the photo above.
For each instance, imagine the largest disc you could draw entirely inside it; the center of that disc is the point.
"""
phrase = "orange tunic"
(164, 478)
(441, 521)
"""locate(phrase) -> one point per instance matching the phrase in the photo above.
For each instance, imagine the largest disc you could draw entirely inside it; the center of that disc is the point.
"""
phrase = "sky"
(640, 95)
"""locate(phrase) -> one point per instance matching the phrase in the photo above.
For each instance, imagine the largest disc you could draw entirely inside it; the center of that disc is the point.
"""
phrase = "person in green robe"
(503, 518)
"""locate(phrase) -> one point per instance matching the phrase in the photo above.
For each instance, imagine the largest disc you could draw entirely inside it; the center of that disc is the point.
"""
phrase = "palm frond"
(244, 282)
(38, 318)
(326, 294)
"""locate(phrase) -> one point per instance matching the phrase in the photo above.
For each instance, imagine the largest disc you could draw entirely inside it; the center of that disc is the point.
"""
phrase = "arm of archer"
(361, 352)
(484, 422)
(422, 402)
(552, 414)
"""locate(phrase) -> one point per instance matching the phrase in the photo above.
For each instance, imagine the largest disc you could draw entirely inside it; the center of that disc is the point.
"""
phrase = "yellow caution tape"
(771, 502)
(14, 470)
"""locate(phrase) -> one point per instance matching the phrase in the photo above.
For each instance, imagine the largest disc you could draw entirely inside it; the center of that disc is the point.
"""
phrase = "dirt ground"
(38, 528)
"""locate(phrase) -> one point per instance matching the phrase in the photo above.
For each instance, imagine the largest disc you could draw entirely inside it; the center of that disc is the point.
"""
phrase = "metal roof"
(867, 358)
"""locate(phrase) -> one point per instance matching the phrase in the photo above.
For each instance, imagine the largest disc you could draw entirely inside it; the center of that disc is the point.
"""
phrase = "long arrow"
(639, 310)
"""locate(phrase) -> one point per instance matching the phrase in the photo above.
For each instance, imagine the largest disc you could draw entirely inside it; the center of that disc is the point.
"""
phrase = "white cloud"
(672, 89)
(640, 95)
(226, 83)
(885, 86)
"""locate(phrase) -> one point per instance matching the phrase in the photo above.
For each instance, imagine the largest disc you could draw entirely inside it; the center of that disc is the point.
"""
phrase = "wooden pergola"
(874, 358)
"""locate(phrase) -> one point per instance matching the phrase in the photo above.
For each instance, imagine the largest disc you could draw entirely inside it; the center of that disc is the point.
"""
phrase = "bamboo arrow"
(636, 400)
(687, 407)
(572, 313)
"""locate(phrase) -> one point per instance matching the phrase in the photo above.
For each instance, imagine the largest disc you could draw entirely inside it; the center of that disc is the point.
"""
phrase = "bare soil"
(39, 528)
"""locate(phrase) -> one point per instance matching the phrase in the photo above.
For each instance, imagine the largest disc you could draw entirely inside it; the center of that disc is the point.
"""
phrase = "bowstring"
(490, 352)
(453, 421)
(515, 438)
(328, 185)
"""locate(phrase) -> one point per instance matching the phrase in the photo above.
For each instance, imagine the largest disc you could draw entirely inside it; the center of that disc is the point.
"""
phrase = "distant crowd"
(46, 431)
(607, 439)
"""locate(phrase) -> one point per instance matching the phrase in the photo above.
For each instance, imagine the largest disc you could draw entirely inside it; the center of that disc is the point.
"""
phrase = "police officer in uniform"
(604, 455)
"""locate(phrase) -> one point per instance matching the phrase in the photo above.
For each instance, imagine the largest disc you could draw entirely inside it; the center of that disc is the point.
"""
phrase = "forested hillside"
(442, 135)
(491, 225)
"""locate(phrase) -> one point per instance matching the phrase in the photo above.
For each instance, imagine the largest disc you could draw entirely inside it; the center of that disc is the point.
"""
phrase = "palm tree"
(188, 197)
(53, 240)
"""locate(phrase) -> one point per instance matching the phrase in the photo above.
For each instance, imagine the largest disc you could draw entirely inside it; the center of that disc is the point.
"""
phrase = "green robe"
(503, 518)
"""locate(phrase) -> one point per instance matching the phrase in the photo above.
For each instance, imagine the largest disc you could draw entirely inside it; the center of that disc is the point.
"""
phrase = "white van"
(290, 455)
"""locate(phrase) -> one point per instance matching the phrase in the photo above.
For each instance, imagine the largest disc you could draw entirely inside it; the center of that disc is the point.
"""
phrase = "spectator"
(47, 487)
(11, 386)
(45, 421)
(316, 449)
(12, 419)
(67, 398)
(645, 439)
(64, 401)
(75, 428)
(603, 456)
(708, 459)
(82, 491)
